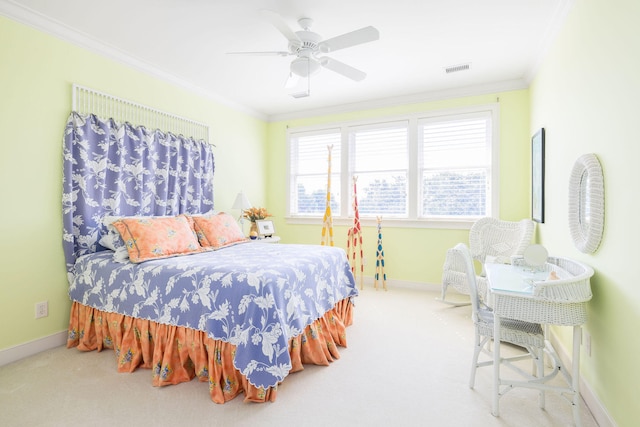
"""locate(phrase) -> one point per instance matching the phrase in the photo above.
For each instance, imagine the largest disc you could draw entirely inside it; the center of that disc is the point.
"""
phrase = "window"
(379, 158)
(456, 166)
(423, 169)
(309, 168)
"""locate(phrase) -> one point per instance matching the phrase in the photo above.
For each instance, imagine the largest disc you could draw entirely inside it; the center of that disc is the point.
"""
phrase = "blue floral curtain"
(118, 169)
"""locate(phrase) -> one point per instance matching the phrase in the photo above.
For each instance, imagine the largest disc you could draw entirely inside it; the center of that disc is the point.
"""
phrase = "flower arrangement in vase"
(252, 214)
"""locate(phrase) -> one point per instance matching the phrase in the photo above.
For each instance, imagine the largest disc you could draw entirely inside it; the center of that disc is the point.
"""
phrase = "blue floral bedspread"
(253, 295)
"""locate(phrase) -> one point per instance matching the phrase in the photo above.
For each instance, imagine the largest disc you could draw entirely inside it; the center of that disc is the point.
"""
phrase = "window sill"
(387, 222)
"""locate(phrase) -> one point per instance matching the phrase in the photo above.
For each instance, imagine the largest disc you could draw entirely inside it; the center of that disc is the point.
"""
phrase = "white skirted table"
(536, 295)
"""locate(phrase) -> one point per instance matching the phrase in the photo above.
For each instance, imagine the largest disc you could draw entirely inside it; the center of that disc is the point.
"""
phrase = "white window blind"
(379, 158)
(456, 166)
(309, 171)
(434, 168)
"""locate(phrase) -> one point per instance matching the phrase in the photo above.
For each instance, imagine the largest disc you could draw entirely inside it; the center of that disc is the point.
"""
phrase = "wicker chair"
(487, 237)
(527, 335)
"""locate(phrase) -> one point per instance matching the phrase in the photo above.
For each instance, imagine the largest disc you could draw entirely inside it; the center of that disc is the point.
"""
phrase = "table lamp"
(241, 203)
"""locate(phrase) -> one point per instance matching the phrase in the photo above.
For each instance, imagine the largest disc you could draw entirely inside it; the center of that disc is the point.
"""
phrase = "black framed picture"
(537, 176)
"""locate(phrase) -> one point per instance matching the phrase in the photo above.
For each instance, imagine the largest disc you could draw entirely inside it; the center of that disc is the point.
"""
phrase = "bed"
(238, 314)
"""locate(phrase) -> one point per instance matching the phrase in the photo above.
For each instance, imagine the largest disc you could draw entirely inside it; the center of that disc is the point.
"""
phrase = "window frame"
(378, 125)
(324, 130)
(415, 168)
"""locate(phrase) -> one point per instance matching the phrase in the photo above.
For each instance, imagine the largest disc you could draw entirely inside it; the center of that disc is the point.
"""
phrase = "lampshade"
(241, 202)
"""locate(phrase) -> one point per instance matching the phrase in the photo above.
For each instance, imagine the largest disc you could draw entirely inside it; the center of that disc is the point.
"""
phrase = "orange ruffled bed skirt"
(178, 354)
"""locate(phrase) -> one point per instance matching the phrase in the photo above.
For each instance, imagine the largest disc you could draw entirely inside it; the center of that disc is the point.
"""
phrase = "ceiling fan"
(309, 50)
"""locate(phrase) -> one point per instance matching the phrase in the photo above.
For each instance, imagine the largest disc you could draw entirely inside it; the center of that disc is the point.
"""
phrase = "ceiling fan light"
(304, 67)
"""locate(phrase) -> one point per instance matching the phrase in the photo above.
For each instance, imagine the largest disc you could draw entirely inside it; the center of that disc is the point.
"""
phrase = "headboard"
(112, 168)
(85, 100)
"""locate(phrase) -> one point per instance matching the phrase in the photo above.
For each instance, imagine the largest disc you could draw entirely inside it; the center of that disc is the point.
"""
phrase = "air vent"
(456, 68)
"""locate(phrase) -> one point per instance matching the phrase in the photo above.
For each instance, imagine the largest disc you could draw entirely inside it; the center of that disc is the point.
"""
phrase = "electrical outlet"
(587, 343)
(364, 260)
(42, 309)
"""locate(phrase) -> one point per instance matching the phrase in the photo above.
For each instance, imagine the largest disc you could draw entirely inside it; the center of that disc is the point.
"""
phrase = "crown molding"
(459, 92)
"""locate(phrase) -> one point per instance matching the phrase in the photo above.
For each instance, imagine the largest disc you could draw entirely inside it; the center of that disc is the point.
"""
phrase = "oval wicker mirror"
(586, 203)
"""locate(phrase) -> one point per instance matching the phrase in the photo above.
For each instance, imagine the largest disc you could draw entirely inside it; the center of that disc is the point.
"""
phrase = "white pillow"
(212, 212)
(113, 241)
(107, 241)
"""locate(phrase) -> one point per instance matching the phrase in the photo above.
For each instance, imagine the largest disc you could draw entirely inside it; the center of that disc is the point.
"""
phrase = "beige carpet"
(407, 364)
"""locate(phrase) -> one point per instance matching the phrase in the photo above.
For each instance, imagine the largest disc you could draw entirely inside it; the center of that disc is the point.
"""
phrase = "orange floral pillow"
(156, 237)
(217, 231)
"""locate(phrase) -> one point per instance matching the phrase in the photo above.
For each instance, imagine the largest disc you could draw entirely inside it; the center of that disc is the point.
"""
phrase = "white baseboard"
(592, 401)
(13, 354)
(394, 283)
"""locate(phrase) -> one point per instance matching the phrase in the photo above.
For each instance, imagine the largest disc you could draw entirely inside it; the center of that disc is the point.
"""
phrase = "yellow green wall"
(586, 96)
(36, 74)
(413, 254)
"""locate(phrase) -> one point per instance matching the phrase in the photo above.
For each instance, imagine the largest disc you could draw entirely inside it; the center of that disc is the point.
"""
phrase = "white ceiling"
(186, 41)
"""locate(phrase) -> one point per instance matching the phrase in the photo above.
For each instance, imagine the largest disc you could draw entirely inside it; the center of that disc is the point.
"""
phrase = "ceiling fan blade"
(277, 21)
(363, 35)
(268, 53)
(342, 68)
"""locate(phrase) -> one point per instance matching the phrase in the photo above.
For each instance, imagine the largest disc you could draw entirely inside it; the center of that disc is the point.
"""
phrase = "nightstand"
(272, 239)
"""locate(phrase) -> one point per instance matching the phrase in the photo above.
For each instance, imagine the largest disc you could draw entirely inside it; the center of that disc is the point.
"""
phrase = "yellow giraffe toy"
(327, 221)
